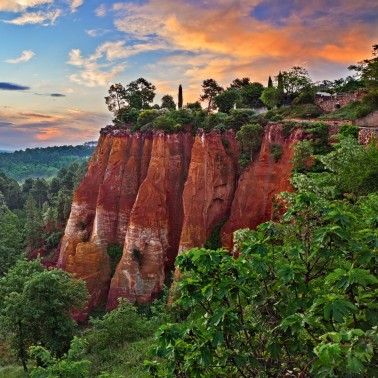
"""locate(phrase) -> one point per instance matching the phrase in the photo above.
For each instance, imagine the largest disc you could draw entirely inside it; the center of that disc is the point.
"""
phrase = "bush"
(238, 118)
(147, 117)
(276, 151)
(213, 120)
(182, 116)
(349, 131)
(277, 118)
(115, 252)
(165, 123)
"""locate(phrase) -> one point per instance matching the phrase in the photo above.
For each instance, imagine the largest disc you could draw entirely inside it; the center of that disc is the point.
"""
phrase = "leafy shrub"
(221, 127)
(277, 118)
(164, 123)
(276, 151)
(250, 139)
(213, 120)
(214, 240)
(53, 239)
(349, 131)
(147, 117)
(115, 252)
(182, 116)
(288, 127)
(238, 118)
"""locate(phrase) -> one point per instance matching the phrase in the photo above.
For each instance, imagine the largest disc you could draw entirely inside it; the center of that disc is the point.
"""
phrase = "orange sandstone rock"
(260, 182)
(101, 208)
(209, 189)
(154, 229)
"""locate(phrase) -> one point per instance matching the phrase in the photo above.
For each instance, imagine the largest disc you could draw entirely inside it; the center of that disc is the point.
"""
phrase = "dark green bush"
(146, 117)
(276, 151)
(349, 131)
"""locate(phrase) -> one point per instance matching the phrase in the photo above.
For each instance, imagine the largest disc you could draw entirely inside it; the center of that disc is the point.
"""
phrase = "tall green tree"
(270, 97)
(295, 81)
(280, 90)
(240, 83)
(368, 69)
(10, 238)
(33, 224)
(250, 138)
(226, 100)
(180, 97)
(140, 93)
(210, 90)
(250, 95)
(117, 98)
(35, 308)
(270, 82)
(167, 102)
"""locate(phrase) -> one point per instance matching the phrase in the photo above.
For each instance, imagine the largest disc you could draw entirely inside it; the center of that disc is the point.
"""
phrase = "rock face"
(209, 189)
(260, 182)
(154, 229)
(101, 209)
(158, 194)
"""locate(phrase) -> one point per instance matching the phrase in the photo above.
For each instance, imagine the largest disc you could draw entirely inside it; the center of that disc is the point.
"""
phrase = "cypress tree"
(280, 90)
(270, 82)
(180, 99)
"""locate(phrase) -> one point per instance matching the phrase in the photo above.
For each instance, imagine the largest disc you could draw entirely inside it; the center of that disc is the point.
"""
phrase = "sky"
(58, 58)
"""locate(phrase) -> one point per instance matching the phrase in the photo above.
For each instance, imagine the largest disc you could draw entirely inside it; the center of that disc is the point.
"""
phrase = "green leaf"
(355, 366)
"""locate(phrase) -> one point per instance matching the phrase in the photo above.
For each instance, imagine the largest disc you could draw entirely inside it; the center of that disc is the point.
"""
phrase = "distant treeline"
(42, 162)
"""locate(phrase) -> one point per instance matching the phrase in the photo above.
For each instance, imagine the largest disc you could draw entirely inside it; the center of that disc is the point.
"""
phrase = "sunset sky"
(59, 57)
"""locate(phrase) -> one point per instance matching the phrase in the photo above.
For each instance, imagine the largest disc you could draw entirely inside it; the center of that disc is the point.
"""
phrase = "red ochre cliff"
(159, 194)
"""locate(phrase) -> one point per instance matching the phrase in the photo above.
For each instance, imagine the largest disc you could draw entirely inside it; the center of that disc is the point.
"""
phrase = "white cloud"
(74, 4)
(45, 18)
(21, 5)
(101, 11)
(92, 74)
(25, 57)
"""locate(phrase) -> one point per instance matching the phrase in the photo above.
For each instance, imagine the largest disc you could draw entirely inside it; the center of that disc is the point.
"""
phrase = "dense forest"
(42, 162)
(295, 298)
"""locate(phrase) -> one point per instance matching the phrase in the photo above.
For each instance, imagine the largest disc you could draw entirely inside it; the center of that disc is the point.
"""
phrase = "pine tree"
(280, 90)
(270, 82)
(180, 98)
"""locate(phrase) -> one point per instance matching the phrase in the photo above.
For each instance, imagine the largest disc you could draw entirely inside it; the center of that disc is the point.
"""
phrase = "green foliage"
(115, 253)
(283, 304)
(70, 365)
(168, 102)
(39, 162)
(10, 239)
(270, 97)
(119, 341)
(214, 240)
(300, 111)
(35, 306)
(213, 120)
(210, 90)
(250, 95)
(180, 97)
(147, 117)
(276, 151)
(166, 123)
(354, 167)
(349, 131)
(226, 100)
(295, 82)
(250, 139)
(126, 116)
(318, 133)
(239, 118)
(368, 69)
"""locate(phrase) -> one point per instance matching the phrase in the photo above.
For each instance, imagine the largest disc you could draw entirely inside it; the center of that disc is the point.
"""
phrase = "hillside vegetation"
(42, 162)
